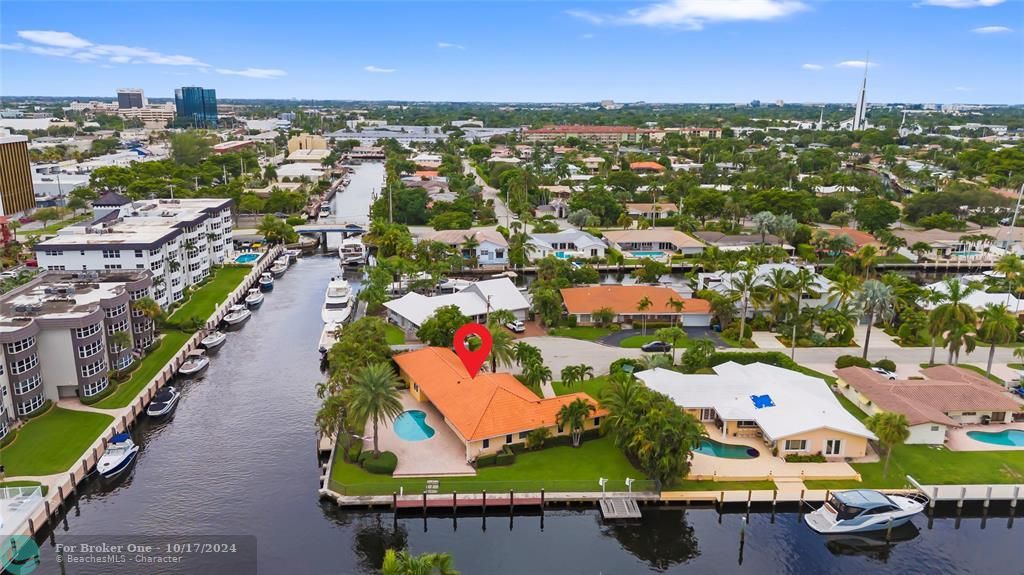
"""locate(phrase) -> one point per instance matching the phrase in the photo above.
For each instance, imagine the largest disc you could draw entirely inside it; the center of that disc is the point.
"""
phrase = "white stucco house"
(491, 247)
(566, 244)
(475, 301)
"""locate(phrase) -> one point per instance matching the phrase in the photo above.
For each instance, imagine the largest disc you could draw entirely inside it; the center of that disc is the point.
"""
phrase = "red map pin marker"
(472, 359)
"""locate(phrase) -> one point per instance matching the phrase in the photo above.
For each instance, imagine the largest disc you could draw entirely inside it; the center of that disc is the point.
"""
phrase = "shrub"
(505, 458)
(851, 361)
(384, 464)
(618, 365)
(570, 321)
(536, 438)
(486, 461)
(105, 393)
(594, 433)
(758, 323)
(295, 220)
(560, 440)
(886, 364)
(354, 451)
(516, 448)
(810, 458)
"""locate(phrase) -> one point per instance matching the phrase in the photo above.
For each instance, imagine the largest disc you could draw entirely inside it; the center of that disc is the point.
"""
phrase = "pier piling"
(1013, 502)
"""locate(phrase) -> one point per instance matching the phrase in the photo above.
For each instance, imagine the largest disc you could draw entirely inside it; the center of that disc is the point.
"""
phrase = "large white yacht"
(352, 251)
(337, 301)
(863, 510)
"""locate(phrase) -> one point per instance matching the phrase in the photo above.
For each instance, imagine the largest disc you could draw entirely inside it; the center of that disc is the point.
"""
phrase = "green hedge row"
(384, 464)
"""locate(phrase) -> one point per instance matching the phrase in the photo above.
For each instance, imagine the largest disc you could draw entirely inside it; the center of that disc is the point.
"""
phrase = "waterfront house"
(949, 398)
(491, 248)
(647, 167)
(651, 211)
(474, 301)
(566, 244)
(977, 299)
(722, 282)
(486, 412)
(791, 412)
(734, 242)
(582, 302)
(640, 243)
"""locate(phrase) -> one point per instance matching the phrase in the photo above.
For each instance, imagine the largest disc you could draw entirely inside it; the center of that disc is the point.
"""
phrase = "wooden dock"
(619, 508)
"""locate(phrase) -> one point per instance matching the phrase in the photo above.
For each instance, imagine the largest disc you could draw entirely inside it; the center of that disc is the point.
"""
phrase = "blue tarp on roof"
(762, 401)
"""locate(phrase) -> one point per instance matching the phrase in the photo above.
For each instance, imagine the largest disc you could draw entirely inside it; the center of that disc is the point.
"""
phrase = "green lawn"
(853, 409)
(592, 387)
(53, 442)
(582, 332)
(201, 304)
(637, 341)
(931, 465)
(708, 485)
(1015, 365)
(553, 469)
(394, 335)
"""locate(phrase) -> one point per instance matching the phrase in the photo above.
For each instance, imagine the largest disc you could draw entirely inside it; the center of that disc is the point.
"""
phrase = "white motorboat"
(453, 285)
(237, 315)
(164, 402)
(863, 510)
(254, 298)
(266, 282)
(195, 363)
(328, 337)
(213, 341)
(293, 255)
(277, 270)
(283, 259)
(352, 251)
(337, 301)
(118, 456)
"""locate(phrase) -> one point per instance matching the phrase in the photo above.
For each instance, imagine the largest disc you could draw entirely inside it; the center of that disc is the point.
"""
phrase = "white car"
(516, 326)
(884, 373)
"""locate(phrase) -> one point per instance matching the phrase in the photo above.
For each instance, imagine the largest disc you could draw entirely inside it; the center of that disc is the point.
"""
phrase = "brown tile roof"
(647, 166)
(929, 400)
(458, 237)
(624, 299)
(488, 405)
(675, 237)
(859, 237)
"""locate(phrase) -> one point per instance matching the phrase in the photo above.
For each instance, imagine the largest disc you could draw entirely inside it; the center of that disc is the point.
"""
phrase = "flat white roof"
(801, 403)
(472, 300)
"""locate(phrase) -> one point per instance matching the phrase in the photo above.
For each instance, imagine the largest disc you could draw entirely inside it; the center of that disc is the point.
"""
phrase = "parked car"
(516, 326)
(32, 263)
(25, 220)
(884, 373)
(659, 346)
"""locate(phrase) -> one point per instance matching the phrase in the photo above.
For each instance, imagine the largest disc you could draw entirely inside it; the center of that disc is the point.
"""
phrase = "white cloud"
(450, 45)
(54, 38)
(378, 70)
(992, 30)
(120, 59)
(812, 67)
(694, 14)
(856, 64)
(588, 36)
(260, 73)
(962, 3)
(18, 47)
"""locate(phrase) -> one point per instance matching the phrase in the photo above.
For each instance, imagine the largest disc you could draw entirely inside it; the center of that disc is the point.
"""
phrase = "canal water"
(238, 458)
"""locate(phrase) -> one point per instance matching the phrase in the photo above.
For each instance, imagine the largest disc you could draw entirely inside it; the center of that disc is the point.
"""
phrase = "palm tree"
(499, 317)
(642, 306)
(469, 246)
(525, 353)
(919, 249)
(866, 258)
(777, 290)
(574, 415)
(960, 337)
(891, 429)
(875, 300)
(952, 312)
(403, 563)
(802, 282)
(671, 335)
(763, 223)
(746, 286)
(374, 397)
(536, 374)
(502, 344)
(1012, 268)
(677, 305)
(998, 326)
(623, 400)
(573, 374)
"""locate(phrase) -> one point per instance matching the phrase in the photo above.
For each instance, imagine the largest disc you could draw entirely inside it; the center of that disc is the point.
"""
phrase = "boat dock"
(619, 508)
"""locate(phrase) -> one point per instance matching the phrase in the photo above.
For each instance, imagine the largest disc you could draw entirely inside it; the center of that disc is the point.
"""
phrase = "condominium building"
(57, 337)
(16, 195)
(177, 240)
(591, 134)
(157, 115)
(197, 106)
(130, 98)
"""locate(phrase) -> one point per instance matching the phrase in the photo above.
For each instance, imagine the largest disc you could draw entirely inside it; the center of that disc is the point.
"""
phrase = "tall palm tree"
(876, 301)
(525, 353)
(677, 305)
(866, 258)
(469, 246)
(574, 415)
(1012, 268)
(998, 326)
(374, 397)
(952, 312)
(573, 374)
(777, 287)
(642, 306)
(502, 344)
(763, 222)
(960, 337)
(891, 429)
(623, 400)
(802, 282)
(671, 335)
(747, 288)
(536, 375)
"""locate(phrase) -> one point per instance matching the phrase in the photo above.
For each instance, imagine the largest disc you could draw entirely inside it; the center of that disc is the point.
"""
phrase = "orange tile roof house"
(623, 300)
(488, 411)
(950, 397)
(860, 238)
(646, 167)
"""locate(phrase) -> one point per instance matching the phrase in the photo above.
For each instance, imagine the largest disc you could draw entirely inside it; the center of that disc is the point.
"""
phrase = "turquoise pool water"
(725, 450)
(964, 253)
(247, 258)
(412, 426)
(1011, 437)
(647, 254)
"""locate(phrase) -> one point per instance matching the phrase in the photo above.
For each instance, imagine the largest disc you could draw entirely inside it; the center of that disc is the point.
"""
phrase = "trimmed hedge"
(797, 458)
(517, 448)
(486, 461)
(111, 387)
(506, 457)
(852, 361)
(886, 364)
(384, 464)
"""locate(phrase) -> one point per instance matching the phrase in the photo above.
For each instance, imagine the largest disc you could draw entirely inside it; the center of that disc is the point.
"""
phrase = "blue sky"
(674, 51)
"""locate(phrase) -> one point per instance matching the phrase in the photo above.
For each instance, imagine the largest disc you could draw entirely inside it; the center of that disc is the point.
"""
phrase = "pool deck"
(444, 454)
(959, 441)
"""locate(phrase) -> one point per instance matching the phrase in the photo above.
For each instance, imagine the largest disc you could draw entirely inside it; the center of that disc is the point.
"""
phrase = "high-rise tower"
(860, 113)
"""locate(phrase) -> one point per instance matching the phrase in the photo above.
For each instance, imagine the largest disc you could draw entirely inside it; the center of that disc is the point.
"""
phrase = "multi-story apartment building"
(130, 98)
(197, 105)
(57, 337)
(177, 240)
(591, 134)
(16, 194)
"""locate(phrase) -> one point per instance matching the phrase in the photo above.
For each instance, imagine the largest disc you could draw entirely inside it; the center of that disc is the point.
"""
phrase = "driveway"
(615, 339)
(559, 352)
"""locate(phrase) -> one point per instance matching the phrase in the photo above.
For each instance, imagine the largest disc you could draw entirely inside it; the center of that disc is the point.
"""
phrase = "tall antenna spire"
(860, 112)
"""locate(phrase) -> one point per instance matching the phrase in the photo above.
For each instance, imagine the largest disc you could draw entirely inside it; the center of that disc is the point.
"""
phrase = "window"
(508, 438)
(597, 422)
(969, 413)
(55, 268)
(95, 387)
(155, 252)
(91, 349)
(23, 387)
(111, 266)
(116, 327)
(22, 365)
(487, 443)
(796, 444)
(111, 254)
(560, 428)
(83, 332)
(138, 253)
(935, 428)
(116, 311)
(137, 295)
(498, 254)
(746, 424)
(123, 361)
(21, 345)
(93, 368)
(3, 430)
(27, 407)
(54, 252)
(156, 264)
(522, 435)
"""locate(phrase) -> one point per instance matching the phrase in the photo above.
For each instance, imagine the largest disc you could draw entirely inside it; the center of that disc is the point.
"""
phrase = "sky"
(511, 51)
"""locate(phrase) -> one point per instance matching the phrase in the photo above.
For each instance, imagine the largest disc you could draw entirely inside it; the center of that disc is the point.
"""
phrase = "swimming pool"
(965, 253)
(562, 255)
(726, 450)
(1010, 437)
(412, 426)
(647, 254)
(247, 258)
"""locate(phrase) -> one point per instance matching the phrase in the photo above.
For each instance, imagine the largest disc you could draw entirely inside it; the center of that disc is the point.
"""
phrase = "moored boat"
(118, 456)
(213, 340)
(278, 269)
(863, 510)
(266, 282)
(254, 298)
(352, 251)
(337, 301)
(164, 402)
(195, 363)
(237, 315)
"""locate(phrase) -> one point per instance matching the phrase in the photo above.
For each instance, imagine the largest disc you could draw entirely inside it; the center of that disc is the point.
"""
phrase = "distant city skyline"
(729, 51)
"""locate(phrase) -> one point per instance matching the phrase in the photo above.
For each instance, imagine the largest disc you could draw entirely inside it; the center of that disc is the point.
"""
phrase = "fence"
(470, 485)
